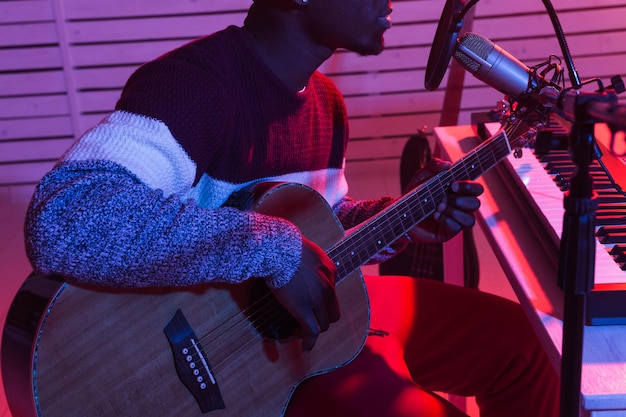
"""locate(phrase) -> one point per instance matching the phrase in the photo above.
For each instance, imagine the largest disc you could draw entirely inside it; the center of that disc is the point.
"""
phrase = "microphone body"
(495, 67)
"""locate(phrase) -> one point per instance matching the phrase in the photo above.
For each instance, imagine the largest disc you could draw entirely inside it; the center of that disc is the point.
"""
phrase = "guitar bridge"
(191, 364)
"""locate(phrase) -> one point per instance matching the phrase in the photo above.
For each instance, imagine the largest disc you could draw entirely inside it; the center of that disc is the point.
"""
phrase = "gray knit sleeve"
(95, 222)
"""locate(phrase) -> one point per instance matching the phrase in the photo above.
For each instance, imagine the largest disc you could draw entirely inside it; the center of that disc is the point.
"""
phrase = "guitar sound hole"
(267, 315)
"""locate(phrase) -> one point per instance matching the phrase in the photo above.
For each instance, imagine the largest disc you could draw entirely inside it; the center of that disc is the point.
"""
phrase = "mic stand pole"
(576, 265)
(577, 252)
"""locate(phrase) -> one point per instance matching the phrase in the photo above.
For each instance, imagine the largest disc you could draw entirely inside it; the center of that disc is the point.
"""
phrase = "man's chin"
(371, 49)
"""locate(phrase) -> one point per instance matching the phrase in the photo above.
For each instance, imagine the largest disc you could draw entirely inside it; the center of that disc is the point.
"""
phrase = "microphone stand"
(576, 265)
(577, 250)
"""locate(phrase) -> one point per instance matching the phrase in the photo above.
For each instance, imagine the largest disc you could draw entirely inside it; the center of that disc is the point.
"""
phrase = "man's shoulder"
(325, 84)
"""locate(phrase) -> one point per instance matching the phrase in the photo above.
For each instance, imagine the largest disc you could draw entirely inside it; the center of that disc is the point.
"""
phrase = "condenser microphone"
(495, 67)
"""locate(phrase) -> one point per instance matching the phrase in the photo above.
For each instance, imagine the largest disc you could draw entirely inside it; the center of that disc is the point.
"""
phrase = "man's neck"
(284, 47)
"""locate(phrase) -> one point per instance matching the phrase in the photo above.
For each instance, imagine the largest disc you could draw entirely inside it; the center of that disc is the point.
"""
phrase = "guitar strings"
(240, 320)
(251, 343)
(243, 323)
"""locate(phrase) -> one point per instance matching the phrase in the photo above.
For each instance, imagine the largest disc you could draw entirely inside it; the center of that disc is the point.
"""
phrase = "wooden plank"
(25, 34)
(30, 83)
(377, 83)
(132, 53)
(601, 67)
(373, 179)
(392, 104)
(97, 101)
(481, 97)
(48, 105)
(21, 194)
(390, 126)
(412, 11)
(496, 8)
(162, 27)
(592, 20)
(410, 35)
(387, 148)
(81, 9)
(24, 173)
(26, 11)
(603, 43)
(33, 150)
(390, 59)
(513, 25)
(102, 77)
(19, 59)
(516, 26)
(37, 127)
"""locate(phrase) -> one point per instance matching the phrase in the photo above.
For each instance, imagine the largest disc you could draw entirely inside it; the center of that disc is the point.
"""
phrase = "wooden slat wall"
(34, 110)
(63, 63)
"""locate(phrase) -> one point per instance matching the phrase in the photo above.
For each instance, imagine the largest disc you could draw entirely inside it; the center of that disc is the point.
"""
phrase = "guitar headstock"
(524, 116)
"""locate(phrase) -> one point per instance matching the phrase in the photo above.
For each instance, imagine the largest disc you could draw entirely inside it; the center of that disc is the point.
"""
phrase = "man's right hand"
(310, 294)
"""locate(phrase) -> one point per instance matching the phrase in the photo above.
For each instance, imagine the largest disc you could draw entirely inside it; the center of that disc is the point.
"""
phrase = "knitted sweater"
(138, 200)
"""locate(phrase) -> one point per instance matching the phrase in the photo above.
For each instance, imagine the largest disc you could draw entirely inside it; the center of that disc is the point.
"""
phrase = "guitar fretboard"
(394, 221)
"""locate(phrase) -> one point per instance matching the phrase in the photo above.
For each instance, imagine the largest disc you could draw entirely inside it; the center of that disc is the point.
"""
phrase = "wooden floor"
(15, 266)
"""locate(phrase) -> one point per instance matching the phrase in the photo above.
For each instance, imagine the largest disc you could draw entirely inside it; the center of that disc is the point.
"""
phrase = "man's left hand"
(453, 214)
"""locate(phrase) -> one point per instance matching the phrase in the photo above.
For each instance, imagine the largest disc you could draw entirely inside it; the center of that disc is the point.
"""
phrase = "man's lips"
(385, 19)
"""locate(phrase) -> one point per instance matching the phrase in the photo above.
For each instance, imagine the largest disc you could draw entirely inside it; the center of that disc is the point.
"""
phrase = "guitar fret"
(473, 166)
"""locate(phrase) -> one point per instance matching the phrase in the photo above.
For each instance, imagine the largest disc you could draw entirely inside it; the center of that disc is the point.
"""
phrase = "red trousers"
(441, 338)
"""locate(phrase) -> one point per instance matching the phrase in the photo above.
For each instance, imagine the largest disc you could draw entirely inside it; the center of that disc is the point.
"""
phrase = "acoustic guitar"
(218, 350)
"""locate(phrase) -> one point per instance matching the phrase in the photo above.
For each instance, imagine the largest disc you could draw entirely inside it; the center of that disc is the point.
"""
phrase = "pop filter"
(450, 24)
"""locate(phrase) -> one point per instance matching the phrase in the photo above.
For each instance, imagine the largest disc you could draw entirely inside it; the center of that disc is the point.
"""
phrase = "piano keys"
(543, 175)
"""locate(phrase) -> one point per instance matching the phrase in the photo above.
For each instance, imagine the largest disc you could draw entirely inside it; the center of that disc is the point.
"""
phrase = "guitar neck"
(376, 234)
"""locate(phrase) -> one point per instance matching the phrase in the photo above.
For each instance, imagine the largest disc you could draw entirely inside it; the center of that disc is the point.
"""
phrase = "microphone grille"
(468, 63)
(478, 45)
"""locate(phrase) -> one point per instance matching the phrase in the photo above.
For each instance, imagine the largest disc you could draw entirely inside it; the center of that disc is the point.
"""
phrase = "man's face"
(355, 25)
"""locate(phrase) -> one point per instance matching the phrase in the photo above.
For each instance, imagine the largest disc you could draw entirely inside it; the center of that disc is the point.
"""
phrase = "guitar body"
(72, 351)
